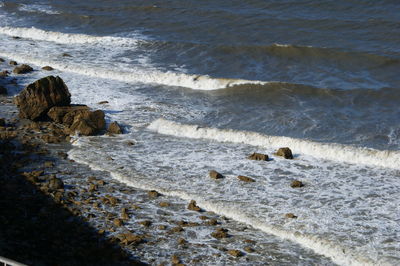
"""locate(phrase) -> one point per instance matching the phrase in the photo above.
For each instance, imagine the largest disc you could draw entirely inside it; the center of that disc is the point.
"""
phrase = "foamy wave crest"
(135, 75)
(65, 38)
(338, 253)
(328, 151)
(39, 9)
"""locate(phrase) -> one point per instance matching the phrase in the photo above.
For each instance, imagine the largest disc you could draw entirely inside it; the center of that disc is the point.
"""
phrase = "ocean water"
(200, 85)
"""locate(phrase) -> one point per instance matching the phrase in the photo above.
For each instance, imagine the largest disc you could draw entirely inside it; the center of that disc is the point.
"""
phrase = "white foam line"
(328, 151)
(196, 82)
(338, 254)
(65, 38)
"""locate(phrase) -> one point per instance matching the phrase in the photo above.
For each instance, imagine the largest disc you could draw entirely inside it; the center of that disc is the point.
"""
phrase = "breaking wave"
(328, 151)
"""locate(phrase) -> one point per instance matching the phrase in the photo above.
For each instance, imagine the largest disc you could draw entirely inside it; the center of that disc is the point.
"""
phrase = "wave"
(339, 254)
(327, 151)
(135, 75)
(37, 8)
(66, 38)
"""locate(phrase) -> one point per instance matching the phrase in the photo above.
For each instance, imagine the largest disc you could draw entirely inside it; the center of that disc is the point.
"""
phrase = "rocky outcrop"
(3, 91)
(215, 175)
(37, 98)
(88, 122)
(285, 152)
(57, 113)
(22, 69)
(258, 157)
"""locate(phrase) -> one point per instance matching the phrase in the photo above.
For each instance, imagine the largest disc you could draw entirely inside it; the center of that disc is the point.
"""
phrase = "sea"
(201, 85)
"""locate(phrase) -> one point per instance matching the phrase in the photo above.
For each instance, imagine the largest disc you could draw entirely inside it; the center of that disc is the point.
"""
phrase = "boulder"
(3, 91)
(235, 253)
(88, 123)
(290, 216)
(57, 113)
(37, 98)
(193, 207)
(22, 69)
(47, 68)
(245, 178)
(285, 152)
(1, 60)
(153, 194)
(220, 233)
(215, 175)
(258, 157)
(296, 183)
(129, 238)
(114, 128)
(13, 63)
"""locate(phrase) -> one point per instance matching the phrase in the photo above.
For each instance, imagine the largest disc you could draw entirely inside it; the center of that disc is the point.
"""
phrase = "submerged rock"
(220, 233)
(285, 152)
(13, 63)
(258, 157)
(290, 216)
(22, 69)
(245, 178)
(215, 175)
(4, 73)
(235, 253)
(37, 98)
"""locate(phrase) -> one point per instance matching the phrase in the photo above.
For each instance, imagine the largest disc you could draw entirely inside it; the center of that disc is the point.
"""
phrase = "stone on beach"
(258, 157)
(285, 152)
(37, 98)
(22, 69)
(215, 175)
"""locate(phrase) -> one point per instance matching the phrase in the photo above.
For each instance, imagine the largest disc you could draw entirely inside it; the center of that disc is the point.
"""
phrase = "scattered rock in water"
(1, 60)
(145, 223)
(215, 175)
(37, 98)
(13, 63)
(212, 222)
(249, 249)
(22, 69)
(153, 194)
(245, 178)
(181, 241)
(2, 122)
(285, 152)
(176, 229)
(103, 102)
(56, 183)
(48, 164)
(4, 73)
(114, 128)
(129, 238)
(193, 207)
(296, 183)
(57, 113)
(130, 143)
(47, 68)
(101, 182)
(117, 222)
(124, 214)
(164, 204)
(220, 233)
(258, 157)
(66, 55)
(290, 216)
(162, 227)
(235, 253)
(3, 91)
(92, 188)
(175, 260)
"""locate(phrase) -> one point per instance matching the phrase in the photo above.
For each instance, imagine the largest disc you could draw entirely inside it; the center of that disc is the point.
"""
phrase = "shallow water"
(230, 79)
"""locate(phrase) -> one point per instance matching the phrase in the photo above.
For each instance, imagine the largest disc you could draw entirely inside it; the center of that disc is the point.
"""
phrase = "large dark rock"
(88, 123)
(57, 113)
(22, 69)
(285, 152)
(37, 98)
(258, 157)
